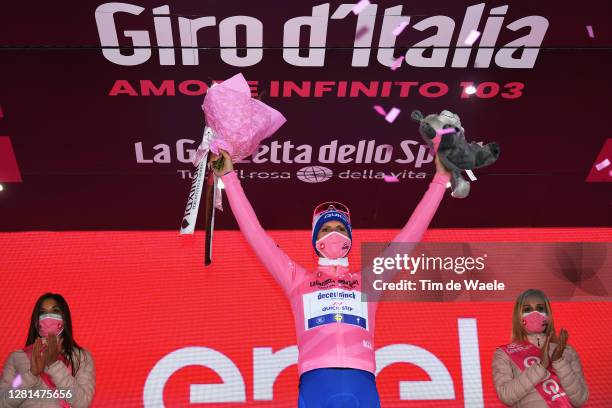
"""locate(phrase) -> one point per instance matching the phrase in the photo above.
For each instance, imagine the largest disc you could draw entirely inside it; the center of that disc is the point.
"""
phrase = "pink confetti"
(398, 30)
(380, 110)
(472, 37)
(445, 131)
(397, 63)
(610, 173)
(1, 113)
(390, 179)
(361, 32)
(590, 31)
(17, 381)
(392, 115)
(602, 165)
(471, 175)
(389, 117)
(358, 8)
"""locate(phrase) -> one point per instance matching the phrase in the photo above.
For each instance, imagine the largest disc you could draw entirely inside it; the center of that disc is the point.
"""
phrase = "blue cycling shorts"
(338, 388)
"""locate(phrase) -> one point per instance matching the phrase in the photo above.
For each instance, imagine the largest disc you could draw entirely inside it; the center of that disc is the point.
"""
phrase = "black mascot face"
(445, 135)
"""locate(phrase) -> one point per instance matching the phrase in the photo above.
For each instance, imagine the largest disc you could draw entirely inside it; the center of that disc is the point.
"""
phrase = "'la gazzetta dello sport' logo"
(315, 161)
(314, 174)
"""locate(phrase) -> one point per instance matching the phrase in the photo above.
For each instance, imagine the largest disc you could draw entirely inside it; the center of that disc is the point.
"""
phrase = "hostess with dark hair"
(51, 360)
(70, 344)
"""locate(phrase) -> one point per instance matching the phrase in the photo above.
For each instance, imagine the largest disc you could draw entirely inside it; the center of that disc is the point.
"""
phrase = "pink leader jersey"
(327, 338)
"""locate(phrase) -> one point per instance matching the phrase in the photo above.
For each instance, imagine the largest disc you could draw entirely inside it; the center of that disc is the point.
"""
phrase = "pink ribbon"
(524, 354)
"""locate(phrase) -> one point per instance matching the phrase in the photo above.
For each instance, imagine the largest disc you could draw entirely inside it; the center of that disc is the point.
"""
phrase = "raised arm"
(423, 213)
(282, 268)
(417, 224)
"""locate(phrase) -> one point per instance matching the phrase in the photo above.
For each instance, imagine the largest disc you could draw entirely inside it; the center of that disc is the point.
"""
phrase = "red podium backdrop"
(161, 327)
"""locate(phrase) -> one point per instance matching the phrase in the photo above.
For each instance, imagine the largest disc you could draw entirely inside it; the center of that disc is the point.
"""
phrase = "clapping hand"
(37, 362)
(54, 349)
(544, 357)
(558, 353)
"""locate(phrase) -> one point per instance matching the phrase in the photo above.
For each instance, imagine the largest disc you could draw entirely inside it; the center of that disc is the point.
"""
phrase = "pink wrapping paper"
(239, 121)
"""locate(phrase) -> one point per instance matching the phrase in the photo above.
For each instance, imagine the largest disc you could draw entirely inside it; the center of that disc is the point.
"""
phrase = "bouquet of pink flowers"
(236, 123)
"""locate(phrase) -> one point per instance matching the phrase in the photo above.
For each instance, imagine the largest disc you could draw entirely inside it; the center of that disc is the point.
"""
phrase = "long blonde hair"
(518, 331)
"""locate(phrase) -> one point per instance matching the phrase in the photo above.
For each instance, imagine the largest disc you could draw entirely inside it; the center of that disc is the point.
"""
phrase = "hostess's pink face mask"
(535, 322)
(50, 323)
(334, 245)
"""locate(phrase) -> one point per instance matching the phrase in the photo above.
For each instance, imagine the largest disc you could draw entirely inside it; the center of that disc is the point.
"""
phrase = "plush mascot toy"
(445, 135)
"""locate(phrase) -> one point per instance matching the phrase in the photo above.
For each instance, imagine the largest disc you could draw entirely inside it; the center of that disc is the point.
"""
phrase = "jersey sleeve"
(282, 268)
(423, 213)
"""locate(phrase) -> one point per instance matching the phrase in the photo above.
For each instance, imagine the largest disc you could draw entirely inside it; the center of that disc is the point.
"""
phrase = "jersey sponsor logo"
(336, 318)
(351, 284)
(334, 306)
(336, 294)
(326, 282)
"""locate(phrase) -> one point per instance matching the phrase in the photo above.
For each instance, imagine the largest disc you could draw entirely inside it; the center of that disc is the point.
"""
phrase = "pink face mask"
(535, 322)
(50, 323)
(334, 245)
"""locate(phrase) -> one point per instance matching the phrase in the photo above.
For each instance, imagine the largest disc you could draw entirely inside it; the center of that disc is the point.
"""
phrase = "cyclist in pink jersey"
(336, 360)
